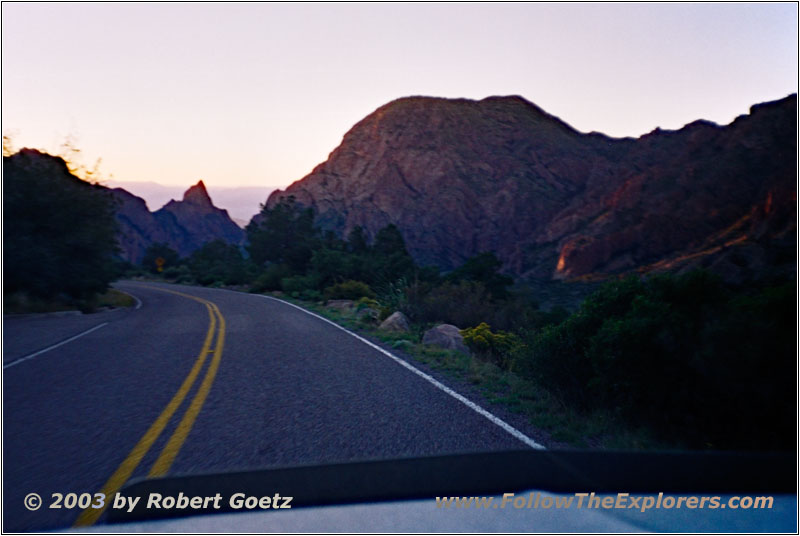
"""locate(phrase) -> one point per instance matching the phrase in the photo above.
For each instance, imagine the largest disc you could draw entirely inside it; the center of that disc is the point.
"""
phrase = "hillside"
(241, 202)
(183, 225)
(459, 177)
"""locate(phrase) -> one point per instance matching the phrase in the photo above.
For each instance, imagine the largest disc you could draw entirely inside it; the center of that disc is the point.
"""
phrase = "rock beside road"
(344, 306)
(445, 336)
(397, 321)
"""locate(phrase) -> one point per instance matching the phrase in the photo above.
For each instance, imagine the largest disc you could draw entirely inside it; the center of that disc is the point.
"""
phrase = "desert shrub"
(308, 294)
(298, 283)
(393, 295)
(332, 265)
(179, 274)
(169, 258)
(348, 290)
(466, 303)
(270, 278)
(484, 268)
(367, 303)
(219, 262)
(496, 347)
(682, 355)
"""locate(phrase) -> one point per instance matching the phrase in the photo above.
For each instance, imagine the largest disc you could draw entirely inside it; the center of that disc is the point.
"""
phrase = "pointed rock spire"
(197, 195)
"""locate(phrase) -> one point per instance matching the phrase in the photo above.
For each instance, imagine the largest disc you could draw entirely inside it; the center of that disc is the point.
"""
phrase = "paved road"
(204, 380)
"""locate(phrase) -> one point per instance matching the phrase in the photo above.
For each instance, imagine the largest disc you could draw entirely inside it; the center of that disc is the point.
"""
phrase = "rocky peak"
(198, 195)
(459, 177)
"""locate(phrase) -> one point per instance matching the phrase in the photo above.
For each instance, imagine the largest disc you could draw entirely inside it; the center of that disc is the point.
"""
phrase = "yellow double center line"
(175, 442)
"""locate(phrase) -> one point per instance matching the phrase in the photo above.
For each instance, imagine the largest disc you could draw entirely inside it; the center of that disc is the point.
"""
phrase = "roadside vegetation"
(59, 237)
(665, 361)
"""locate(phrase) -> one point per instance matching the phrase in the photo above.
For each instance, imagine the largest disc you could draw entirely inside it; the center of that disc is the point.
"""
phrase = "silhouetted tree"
(285, 234)
(357, 240)
(59, 232)
(484, 268)
(159, 250)
(218, 262)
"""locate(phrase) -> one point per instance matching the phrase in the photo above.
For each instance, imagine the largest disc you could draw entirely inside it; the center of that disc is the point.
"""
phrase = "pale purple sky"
(258, 94)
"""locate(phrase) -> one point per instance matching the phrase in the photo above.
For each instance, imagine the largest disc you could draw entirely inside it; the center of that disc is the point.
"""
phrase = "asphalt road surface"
(202, 380)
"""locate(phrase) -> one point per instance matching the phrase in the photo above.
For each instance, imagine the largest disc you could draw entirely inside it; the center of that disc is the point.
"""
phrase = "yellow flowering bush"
(494, 346)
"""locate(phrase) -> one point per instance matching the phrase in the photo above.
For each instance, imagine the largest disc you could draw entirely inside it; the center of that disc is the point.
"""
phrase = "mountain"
(459, 177)
(184, 225)
(241, 202)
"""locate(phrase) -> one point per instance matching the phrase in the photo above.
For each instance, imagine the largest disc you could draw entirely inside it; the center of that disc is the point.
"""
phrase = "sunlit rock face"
(459, 177)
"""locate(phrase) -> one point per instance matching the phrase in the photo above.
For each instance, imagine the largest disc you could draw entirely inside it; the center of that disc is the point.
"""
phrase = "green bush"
(484, 268)
(464, 304)
(349, 290)
(219, 263)
(369, 303)
(167, 256)
(298, 284)
(682, 355)
(179, 274)
(270, 279)
(496, 347)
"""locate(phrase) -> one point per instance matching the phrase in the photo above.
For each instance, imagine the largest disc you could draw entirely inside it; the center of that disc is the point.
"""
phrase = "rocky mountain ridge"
(459, 177)
(183, 225)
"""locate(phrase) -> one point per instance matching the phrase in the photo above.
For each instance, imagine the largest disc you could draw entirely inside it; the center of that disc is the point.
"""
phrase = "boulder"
(445, 336)
(345, 306)
(397, 321)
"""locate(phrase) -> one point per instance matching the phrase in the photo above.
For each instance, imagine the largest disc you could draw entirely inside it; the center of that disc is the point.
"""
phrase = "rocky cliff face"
(195, 220)
(459, 177)
(183, 225)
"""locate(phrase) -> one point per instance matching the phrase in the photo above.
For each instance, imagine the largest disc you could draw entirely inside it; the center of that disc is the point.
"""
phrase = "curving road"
(204, 380)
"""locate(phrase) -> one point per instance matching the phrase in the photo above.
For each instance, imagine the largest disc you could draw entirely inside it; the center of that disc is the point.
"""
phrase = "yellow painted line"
(170, 451)
(90, 515)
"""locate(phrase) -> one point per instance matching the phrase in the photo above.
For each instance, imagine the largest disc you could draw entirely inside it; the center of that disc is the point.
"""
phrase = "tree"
(59, 232)
(389, 241)
(159, 250)
(218, 262)
(357, 240)
(388, 259)
(484, 268)
(285, 234)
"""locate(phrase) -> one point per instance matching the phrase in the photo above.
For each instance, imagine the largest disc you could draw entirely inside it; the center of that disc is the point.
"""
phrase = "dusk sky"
(258, 94)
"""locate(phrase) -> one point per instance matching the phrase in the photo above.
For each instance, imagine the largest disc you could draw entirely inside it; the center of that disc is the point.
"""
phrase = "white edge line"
(473, 406)
(31, 356)
(138, 301)
(427, 377)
